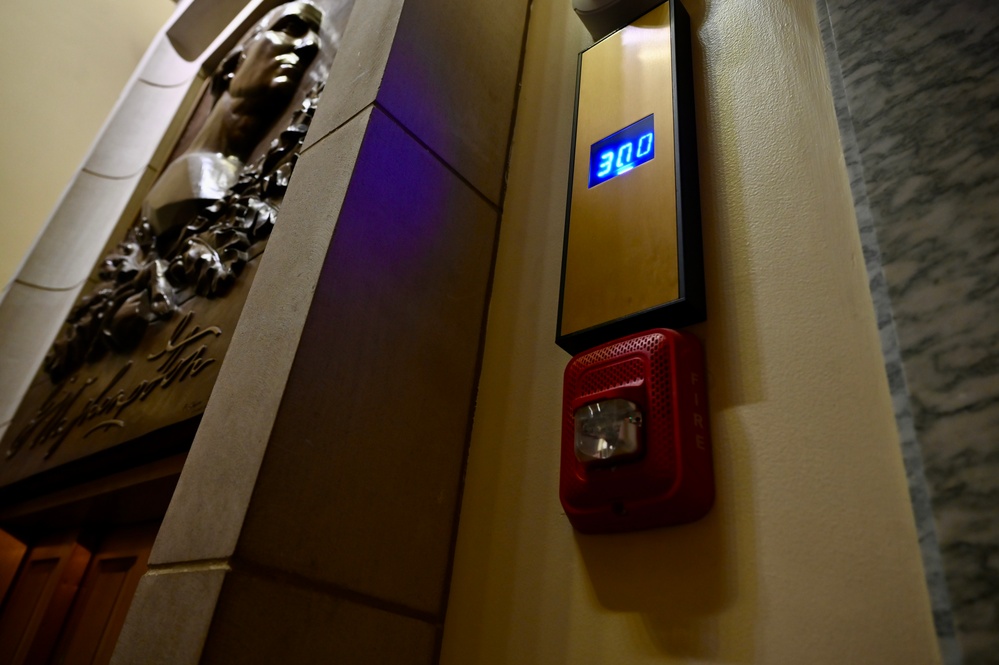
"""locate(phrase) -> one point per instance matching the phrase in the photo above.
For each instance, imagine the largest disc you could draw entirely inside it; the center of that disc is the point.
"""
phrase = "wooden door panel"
(24, 603)
(105, 589)
(36, 608)
(12, 552)
(54, 617)
(97, 617)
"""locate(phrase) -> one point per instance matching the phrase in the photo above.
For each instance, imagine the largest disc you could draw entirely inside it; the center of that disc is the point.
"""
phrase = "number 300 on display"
(622, 151)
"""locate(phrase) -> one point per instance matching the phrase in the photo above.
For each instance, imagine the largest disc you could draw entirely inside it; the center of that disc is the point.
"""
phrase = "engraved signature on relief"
(63, 412)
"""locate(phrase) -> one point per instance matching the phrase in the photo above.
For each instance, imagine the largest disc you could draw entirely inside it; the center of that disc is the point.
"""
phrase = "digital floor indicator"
(632, 254)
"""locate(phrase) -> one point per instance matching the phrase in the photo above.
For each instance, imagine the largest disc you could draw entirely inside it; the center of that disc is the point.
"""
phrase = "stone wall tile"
(447, 70)
(357, 71)
(266, 621)
(169, 617)
(362, 473)
(458, 96)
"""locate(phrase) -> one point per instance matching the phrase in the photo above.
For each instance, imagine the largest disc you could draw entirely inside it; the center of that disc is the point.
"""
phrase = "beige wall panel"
(810, 555)
(199, 24)
(29, 320)
(134, 130)
(165, 67)
(55, 101)
(65, 252)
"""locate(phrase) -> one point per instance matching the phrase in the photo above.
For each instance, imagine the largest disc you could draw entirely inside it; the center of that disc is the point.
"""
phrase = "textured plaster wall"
(63, 64)
(810, 555)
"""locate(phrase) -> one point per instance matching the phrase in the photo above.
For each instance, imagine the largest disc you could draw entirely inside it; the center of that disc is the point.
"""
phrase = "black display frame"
(689, 307)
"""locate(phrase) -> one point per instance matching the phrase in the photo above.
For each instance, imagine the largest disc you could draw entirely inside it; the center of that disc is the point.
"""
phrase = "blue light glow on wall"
(622, 151)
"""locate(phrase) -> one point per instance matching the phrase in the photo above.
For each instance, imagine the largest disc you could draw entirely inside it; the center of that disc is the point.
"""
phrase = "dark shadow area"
(686, 582)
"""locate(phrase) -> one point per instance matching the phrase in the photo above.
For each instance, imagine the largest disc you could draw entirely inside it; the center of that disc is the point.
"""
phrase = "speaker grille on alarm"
(661, 388)
(628, 373)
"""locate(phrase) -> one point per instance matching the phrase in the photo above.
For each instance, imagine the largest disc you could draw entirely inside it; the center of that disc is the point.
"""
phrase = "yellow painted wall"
(63, 64)
(810, 555)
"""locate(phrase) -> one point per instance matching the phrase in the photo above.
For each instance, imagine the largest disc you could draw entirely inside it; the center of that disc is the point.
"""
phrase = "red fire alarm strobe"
(636, 452)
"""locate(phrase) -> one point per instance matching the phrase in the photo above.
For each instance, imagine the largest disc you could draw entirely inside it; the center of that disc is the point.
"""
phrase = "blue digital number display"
(622, 151)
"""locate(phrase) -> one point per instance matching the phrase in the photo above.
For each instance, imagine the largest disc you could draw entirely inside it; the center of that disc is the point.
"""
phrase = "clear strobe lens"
(608, 428)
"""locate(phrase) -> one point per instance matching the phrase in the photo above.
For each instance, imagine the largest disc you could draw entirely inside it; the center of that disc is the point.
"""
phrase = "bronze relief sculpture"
(209, 207)
(133, 347)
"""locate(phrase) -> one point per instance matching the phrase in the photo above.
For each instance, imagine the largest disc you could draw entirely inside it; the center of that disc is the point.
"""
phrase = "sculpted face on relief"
(252, 88)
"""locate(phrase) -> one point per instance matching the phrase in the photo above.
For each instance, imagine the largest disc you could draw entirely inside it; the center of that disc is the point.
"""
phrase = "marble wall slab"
(919, 96)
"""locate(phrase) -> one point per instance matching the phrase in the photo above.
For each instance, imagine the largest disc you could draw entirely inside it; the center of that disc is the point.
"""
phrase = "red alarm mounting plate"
(668, 477)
